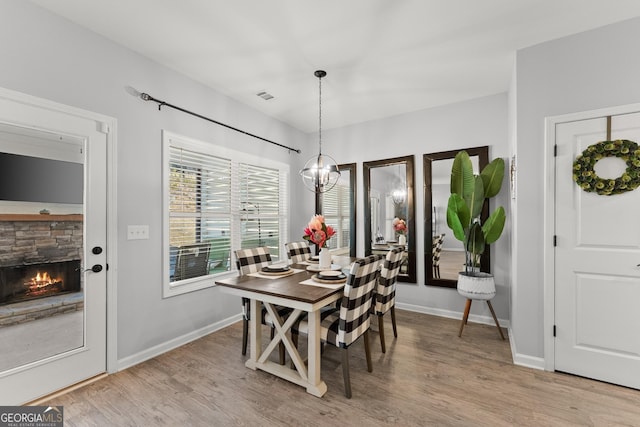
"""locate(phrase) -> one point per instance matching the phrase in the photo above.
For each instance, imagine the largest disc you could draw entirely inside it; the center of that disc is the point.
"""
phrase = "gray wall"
(46, 56)
(49, 57)
(591, 70)
(473, 123)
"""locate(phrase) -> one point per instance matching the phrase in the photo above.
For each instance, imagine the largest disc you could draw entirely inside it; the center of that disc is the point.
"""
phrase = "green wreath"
(585, 176)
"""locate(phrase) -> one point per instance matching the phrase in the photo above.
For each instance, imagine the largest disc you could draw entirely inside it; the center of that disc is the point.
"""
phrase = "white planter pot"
(480, 286)
(402, 239)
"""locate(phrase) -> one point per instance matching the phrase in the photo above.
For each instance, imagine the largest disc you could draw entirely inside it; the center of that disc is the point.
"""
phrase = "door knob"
(96, 268)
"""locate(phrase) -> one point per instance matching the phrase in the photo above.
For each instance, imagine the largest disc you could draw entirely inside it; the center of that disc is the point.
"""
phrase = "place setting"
(314, 260)
(274, 271)
(334, 279)
(318, 267)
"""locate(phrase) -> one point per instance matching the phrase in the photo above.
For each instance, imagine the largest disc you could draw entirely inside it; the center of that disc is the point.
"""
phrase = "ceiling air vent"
(264, 95)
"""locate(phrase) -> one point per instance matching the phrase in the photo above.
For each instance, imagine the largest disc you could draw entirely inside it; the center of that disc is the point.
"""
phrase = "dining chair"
(298, 251)
(385, 292)
(436, 250)
(192, 261)
(342, 326)
(252, 261)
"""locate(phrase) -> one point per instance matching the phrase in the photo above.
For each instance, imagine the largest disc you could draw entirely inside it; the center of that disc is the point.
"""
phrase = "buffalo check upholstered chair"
(341, 326)
(385, 293)
(252, 261)
(298, 251)
(436, 250)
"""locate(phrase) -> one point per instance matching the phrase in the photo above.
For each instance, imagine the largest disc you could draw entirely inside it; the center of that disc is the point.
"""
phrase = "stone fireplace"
(40, 259)
(26, 282)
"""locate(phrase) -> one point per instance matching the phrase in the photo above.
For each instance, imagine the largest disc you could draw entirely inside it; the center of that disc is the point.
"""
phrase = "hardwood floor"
(428, 376)
(451, 263)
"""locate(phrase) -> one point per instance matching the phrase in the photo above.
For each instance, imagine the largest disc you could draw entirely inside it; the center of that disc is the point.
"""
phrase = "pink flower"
(399, 226)
(317, 231)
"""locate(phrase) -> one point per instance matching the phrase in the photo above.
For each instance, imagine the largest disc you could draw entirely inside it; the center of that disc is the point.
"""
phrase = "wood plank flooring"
(451, 263)
(428, 377)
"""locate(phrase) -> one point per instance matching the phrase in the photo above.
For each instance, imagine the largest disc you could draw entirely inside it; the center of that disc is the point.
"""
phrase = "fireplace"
(27, 282)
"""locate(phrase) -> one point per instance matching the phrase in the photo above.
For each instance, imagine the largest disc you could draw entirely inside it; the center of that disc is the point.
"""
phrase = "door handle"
(96, 268)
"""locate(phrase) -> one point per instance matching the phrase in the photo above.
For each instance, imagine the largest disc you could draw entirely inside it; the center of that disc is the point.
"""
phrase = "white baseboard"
(518, 359)
(523, 359)
(485, 320)
(159, 349)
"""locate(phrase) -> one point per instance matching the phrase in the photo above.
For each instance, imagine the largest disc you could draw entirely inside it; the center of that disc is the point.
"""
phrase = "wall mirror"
(443, 253)
(389, 199)
(338, 206)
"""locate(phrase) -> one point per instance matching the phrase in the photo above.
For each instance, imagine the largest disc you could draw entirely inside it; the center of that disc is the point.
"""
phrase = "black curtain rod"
(147, 97)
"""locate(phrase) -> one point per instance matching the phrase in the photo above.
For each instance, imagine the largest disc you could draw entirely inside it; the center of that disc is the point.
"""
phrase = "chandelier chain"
(320, 114)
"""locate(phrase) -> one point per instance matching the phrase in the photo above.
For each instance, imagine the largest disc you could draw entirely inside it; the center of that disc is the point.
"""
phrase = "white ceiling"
(382, 57)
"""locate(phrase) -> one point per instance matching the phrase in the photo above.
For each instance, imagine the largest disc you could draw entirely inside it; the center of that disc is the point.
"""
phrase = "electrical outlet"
(137, 232)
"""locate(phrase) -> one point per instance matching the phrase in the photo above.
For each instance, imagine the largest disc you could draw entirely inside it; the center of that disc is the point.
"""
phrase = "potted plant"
(469, 193)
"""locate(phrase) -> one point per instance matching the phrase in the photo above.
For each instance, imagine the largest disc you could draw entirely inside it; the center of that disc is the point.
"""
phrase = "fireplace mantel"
(40, 217)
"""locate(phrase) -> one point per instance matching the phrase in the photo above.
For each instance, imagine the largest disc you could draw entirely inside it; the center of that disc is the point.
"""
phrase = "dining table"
(299, 290)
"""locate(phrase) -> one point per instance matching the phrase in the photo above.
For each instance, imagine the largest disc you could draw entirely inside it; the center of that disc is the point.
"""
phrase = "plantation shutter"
(335, 207)
(199, 206)
(261, 202)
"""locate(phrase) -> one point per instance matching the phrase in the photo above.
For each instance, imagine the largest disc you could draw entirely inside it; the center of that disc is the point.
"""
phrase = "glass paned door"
(52, 248)
(42, 245)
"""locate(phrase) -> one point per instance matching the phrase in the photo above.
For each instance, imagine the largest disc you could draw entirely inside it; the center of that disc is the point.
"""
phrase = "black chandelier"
(320, 174)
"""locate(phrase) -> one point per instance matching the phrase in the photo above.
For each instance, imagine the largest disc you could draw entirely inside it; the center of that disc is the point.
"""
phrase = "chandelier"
(398, 196)
(320, 174)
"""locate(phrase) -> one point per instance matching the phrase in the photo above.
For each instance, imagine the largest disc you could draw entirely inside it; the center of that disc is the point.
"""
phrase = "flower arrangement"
(318, 232)
(400, 226)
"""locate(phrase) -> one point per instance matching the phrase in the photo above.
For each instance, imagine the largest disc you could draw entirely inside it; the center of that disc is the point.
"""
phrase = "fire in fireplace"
(25, 282)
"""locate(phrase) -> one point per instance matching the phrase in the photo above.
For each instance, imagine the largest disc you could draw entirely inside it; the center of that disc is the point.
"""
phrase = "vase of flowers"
(319, 232)
(400, 227)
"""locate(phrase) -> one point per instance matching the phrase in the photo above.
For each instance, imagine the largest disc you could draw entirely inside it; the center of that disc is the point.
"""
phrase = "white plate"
(331, 273)
(317, 267)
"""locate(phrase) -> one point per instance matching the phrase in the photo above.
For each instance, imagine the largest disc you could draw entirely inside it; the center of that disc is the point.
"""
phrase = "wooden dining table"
(287, 291)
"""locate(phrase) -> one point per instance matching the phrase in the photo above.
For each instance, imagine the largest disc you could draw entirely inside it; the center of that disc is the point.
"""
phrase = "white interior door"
(47, 354)
(597, 278)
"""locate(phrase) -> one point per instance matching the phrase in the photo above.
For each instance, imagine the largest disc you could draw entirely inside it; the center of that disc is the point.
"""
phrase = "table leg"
(254, 334)
(316, 386)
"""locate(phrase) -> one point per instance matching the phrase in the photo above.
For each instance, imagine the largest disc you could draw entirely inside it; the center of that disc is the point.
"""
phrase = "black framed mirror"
(338, 206)
(389, 211)
(443, 253)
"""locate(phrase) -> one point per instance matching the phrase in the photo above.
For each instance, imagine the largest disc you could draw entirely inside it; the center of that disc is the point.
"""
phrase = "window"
(215, 203)
(337, 208)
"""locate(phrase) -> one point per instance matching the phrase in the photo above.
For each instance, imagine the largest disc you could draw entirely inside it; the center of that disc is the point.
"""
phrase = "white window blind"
(215, 204)
(336, 211)
(259, 202)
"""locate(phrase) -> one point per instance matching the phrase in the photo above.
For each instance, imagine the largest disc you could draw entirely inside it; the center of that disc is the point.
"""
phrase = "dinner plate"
(331, 275)
(276, 269)
(314, 267)
(331, 281)
(314, 259)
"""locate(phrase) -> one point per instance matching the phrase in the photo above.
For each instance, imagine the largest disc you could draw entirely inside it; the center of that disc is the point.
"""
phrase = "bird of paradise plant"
(469, 193)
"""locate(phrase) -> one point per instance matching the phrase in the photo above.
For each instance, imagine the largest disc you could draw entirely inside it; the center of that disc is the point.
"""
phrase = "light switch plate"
(137, 232)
